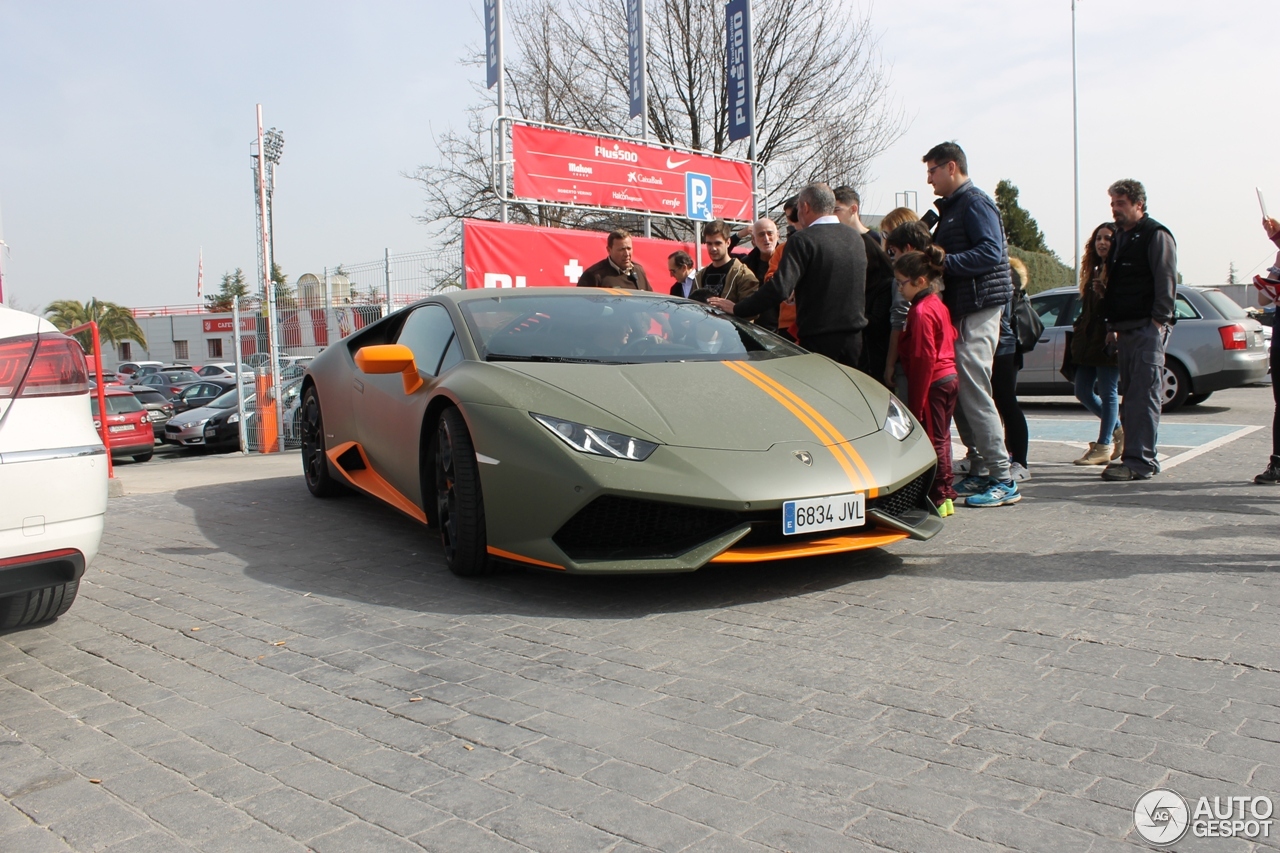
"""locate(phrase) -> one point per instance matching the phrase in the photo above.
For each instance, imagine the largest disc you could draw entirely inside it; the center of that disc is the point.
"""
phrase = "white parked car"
(53, 471)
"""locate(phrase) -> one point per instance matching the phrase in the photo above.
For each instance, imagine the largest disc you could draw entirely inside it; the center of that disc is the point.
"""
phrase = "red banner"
(572, 168)
(227, 324)
(504, 255)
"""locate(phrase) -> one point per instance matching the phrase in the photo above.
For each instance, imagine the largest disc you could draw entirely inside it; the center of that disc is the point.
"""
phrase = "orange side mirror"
(390, 358)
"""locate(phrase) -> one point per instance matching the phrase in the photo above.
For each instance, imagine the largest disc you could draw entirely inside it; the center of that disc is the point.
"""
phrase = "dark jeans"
(1275, 392)
(844, 347)
(1142, 389)
(941, 405)
(1004, 390)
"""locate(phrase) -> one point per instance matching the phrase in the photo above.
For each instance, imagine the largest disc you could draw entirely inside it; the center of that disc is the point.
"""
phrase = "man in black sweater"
(825, 267)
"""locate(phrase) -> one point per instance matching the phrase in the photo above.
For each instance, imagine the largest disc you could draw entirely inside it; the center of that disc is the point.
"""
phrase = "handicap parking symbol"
(697, 197)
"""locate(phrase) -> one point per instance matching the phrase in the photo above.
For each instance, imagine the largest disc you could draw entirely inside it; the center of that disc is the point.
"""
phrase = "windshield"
(117, 404)
(605, 329)
(226, 401)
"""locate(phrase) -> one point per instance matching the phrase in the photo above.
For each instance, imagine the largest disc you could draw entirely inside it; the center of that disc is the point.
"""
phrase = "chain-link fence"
(322, 308)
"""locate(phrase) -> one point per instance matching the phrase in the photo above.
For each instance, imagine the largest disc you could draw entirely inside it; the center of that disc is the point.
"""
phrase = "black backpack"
(1027, 325)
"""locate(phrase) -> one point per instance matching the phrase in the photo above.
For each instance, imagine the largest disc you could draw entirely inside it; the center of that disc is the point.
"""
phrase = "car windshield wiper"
(502, 356)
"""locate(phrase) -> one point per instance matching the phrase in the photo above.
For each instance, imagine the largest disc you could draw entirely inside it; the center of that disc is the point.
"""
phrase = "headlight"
(898, 422)
(234, 419)
(596, 441)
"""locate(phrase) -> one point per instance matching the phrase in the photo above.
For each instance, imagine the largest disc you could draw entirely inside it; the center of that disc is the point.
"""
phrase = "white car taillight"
(49, 365)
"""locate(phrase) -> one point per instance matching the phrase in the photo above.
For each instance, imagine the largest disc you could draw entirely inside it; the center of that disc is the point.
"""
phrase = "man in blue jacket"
(977, 282)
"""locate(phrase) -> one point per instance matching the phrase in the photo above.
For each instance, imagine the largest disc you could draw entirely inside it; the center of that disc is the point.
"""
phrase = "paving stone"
(542, 829)
(392, 810)
(970, 692)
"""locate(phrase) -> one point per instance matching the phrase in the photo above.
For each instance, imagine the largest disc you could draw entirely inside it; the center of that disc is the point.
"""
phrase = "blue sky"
(126, 126)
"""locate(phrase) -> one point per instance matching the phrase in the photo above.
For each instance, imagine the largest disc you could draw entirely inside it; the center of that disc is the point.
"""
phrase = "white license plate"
(120, 428)
(830, 513)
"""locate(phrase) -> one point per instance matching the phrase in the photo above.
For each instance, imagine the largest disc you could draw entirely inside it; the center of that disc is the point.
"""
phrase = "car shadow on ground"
(356, 548)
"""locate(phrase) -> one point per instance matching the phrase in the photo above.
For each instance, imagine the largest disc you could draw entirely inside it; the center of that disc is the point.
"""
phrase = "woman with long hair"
(1097, 378)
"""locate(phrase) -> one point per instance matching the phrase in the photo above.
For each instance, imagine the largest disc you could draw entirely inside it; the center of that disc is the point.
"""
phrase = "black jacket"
(825, 267)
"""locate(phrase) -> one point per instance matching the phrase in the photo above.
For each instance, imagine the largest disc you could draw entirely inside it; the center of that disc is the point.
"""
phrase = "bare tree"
(822, 104)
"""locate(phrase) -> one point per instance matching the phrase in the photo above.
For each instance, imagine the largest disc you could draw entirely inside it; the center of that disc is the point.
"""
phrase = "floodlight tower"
(265, 154)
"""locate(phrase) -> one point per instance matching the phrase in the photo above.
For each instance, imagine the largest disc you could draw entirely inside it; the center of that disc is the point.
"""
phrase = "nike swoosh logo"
(671, 164)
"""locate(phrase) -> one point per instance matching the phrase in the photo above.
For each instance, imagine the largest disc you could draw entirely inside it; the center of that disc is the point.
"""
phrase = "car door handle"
(1044, 340)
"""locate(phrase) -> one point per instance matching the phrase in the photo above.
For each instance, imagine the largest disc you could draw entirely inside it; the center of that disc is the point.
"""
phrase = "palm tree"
(115, 322)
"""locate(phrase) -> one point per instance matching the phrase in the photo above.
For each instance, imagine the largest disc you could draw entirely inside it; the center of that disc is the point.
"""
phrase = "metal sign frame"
(500, 134)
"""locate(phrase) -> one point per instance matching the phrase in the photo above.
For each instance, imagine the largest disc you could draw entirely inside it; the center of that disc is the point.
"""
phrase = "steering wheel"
(641, 345)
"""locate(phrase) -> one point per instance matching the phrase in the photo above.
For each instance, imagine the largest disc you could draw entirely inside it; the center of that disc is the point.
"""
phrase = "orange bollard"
(264, 406)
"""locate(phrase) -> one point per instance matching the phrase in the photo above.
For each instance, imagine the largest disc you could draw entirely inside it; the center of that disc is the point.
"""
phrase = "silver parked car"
(1214, 345)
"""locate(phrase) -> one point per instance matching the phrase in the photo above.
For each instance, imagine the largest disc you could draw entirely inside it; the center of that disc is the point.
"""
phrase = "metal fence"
(320, 309)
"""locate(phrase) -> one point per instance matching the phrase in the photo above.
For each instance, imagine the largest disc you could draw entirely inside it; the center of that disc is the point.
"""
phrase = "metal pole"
(102, 398)
(235, 321)
(751, 140)
(502, 112)
(1075, 140)
(644, 97)
(386, 272)
(268, 287)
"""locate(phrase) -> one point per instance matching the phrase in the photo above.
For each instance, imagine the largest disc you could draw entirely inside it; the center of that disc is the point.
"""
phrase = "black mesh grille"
(909, 498)
(614, 528)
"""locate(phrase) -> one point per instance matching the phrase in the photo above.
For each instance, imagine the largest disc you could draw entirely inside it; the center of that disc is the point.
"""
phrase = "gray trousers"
(1142, 392)
(976, 338)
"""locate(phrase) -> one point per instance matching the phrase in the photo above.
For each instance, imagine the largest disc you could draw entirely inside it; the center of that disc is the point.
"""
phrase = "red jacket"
(927, 350)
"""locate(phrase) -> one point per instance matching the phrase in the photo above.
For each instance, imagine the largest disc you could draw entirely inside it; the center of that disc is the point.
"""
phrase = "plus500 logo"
(617, 153)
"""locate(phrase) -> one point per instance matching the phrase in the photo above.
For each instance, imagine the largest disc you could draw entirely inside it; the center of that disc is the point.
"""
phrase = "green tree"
(233, 285)
(283, 291)
(115, 322)
(1232, 274)
(1044, 270)
(1019, 226)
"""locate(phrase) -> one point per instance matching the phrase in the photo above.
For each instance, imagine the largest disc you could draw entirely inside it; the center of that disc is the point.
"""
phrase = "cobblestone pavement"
(250, 669)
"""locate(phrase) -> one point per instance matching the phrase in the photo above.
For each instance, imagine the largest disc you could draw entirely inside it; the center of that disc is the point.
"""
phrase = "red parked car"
(129, 430)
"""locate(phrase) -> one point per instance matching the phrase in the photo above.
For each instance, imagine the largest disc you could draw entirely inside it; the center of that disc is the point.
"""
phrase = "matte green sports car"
(589, 430)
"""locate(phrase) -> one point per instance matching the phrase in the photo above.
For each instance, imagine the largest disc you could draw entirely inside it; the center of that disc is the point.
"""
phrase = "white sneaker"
(960, 466)
(1018, 473)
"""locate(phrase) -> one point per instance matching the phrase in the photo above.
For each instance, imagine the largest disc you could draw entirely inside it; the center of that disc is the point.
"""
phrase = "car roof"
(116, 391)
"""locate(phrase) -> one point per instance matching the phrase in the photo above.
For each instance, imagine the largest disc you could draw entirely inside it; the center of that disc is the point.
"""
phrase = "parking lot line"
(1187, 441)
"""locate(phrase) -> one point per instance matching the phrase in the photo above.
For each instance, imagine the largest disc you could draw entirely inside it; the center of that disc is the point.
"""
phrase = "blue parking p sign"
(697, 197)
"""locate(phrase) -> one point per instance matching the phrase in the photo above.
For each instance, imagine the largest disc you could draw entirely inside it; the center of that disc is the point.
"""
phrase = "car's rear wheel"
(1175, 385)
(40, 605)
(315, 464)
(459, 503)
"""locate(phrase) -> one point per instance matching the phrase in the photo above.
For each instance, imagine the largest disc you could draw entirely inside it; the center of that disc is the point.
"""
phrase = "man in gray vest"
(1142, 280)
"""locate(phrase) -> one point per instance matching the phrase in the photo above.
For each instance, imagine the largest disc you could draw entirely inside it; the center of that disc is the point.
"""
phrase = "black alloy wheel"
(315, 464)
(459, 504)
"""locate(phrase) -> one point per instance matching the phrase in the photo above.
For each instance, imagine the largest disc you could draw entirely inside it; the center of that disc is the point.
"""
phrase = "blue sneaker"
(996, 494)
(973, 485)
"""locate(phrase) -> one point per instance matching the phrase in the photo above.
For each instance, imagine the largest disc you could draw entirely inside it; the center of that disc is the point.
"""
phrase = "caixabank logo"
(1162, 817)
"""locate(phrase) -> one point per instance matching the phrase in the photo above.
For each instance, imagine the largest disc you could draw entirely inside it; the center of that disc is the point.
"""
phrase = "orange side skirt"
(508, 555)
(811, 548)
(368, 480)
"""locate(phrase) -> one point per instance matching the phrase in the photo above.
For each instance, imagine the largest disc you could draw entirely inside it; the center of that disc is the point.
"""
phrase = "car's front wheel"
(39, 605)
(459, 503)
(315, 464)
